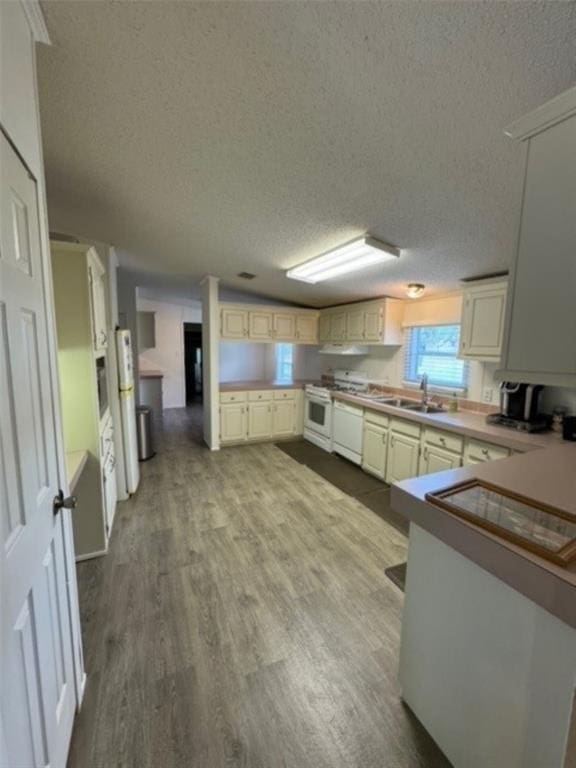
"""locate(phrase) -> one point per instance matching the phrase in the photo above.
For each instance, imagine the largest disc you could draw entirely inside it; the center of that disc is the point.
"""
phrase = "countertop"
(241, 386)
(467, 423)
(150, 374)
(75, 461)
(548, 477)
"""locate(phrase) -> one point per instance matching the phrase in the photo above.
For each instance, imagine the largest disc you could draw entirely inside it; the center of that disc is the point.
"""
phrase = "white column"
(210, 360)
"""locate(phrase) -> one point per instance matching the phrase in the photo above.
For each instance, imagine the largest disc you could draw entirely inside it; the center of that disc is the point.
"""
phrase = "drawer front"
(444, 440)
(477, 450)
(405, 427)
(285, 394)
(259, 395)
(377, 418)
(232, 397)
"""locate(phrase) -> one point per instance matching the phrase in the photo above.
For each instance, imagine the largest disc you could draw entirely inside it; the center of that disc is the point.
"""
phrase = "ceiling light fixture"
(358, 254)
(415, 290)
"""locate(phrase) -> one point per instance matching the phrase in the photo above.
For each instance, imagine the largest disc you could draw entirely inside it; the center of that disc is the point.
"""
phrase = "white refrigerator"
(128, 408)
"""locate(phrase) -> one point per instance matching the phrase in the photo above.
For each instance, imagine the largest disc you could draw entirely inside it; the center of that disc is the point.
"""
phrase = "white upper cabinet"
(284, 326)
(260, 326)
(483, 313)
(268, 324)
(96, 277)
(368, 322)
(540, 335)
(234, 323)
(307, 328)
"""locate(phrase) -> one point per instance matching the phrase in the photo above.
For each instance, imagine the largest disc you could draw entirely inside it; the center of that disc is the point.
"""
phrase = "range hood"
(344, 349)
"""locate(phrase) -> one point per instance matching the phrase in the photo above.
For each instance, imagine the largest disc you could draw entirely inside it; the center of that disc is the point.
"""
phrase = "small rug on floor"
(397, 574)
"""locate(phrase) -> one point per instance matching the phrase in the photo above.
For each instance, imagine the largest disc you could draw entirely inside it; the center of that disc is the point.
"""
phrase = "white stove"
(318, 415)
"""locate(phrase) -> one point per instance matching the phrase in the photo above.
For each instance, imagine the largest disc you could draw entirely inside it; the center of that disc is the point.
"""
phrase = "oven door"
(318, 417)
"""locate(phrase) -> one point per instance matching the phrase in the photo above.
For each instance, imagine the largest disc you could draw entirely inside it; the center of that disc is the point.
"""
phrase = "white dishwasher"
(347, 428)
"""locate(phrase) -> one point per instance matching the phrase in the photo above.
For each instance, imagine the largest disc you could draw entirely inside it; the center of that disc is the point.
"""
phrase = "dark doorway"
(193, 361)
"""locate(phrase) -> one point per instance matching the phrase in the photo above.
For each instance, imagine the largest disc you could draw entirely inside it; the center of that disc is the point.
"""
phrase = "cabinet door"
(261, 325)
(232, 422)
(259, 421)
(234, 323)
(284, 418)
(355, 325)
(372, 324)
(97, 304)
(483, 323)
(375, 449)
(338, 326)
(436, 459)
(541, 345)
(325, 327)
(284, 326)
(403, 452)
(307, 328)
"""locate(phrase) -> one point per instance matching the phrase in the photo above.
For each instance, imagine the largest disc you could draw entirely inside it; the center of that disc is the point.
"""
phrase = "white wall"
(168, 355)
(241, 361)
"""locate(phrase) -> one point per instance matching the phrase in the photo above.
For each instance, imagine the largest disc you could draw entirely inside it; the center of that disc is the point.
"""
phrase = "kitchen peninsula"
(488, 654)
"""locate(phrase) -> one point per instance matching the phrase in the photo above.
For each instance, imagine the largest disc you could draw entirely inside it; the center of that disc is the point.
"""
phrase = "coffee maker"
(519, 407)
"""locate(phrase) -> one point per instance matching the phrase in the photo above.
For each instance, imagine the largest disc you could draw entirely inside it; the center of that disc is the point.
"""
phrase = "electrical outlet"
(487, 394)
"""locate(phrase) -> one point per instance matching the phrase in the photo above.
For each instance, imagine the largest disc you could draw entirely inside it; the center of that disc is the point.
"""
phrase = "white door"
(284, 418)
(232, 422)
(260, 325)
(37, 696)
(259, 421)
(483, 323)
(355, 325)
(374, 449)
(307, 328)
(325, 326)
(402, 458)
(234, 323)
(284, 326)
(436, 459)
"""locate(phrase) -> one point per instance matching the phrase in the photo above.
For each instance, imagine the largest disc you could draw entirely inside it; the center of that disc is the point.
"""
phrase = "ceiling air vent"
(246, 275)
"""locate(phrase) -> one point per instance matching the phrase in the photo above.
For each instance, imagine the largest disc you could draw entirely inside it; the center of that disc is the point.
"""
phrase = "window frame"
(280, 348)
(411, 358)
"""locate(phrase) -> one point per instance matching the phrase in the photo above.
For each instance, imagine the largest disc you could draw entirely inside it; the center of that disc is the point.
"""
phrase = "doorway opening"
(193, 362)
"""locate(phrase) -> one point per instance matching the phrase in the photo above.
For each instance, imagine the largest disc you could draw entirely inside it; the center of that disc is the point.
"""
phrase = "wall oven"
(318, 419)
(102, 385)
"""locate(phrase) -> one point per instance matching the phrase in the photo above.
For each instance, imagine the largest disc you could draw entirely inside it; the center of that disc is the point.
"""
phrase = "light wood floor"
(242, 618)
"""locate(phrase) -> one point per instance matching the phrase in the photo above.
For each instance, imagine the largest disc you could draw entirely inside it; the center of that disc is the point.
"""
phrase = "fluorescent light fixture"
(358, 254)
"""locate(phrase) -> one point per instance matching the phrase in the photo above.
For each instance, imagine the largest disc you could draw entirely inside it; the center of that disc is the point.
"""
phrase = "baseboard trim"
(91, 555)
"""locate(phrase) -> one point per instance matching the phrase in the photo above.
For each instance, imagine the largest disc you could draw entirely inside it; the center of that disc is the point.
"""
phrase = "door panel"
(355, 325)
(37, 696)
(232, 422)
(284, 326)
(374, 450)
(234, 323)
(372, 318)
(402, 458)
(261, 325)
(284, 418)
(259, 420)
(307, 328)
(338, 326)
(324, 329)
(437, 460)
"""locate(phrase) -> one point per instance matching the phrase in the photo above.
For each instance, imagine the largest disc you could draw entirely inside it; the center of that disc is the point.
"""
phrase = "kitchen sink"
(424, 408)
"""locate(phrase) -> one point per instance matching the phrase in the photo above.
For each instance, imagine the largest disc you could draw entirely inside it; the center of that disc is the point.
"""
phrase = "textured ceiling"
(219, 137)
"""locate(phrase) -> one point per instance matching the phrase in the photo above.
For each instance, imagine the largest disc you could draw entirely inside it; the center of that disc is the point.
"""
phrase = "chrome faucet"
(424, 388)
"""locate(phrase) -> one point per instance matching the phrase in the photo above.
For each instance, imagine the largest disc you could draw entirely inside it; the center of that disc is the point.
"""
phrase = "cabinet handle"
(486, 452)
(443, 441)
(426, 453)
(392, 442)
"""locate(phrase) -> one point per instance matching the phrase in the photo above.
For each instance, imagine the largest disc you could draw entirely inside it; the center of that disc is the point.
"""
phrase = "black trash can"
(144, 429)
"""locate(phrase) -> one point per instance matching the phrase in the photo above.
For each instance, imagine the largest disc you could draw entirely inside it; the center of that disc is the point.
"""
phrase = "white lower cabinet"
(232, 422)
(259, 420)
(260, 415)
(477, 451)
(403, 451)
(434, 459)
(375, 449)
(284, 418)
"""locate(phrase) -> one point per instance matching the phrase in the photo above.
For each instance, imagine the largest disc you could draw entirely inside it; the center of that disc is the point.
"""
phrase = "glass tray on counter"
(544, 530)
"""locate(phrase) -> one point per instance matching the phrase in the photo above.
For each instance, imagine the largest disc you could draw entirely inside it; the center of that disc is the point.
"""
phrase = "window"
(433, 349)
(284, 362)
